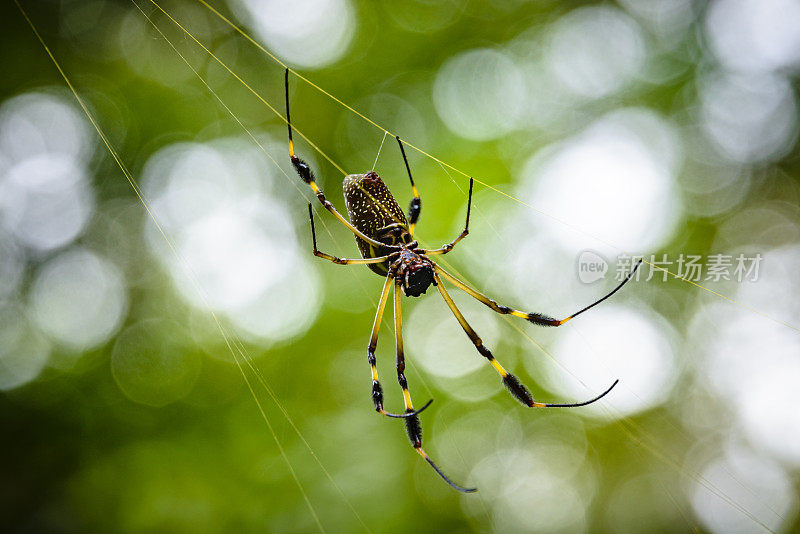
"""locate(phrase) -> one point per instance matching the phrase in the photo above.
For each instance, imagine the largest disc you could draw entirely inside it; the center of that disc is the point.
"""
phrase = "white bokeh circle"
(45, 201)
(307, 33)
(78, 298)
(749, 118)
(24, 352)
(610, 187)
(438, 342)
(739, 492)
(232, 245)
(614, 342)
(596, 51)
(39, 123)
(755, 35)
(480, 94)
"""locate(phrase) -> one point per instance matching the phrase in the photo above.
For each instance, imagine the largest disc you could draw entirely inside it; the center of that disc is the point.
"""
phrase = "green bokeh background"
(78, 455)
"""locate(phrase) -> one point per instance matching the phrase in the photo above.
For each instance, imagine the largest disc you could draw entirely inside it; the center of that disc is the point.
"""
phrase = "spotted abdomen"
(374, 211)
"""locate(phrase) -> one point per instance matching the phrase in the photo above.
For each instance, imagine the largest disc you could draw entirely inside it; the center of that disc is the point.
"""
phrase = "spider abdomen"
(373, 210)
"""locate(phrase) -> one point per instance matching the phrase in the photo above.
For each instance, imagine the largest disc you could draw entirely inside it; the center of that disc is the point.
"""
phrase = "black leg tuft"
(414, 209)
(543, 320)
(414, 430)
(377, 395)
(303, 170)
(518, 390)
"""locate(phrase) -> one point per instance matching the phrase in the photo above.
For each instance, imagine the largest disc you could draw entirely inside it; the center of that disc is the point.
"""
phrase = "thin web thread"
(443, 164)
(688, 439)
(247, 360)
(240, 347)
(622, 421)
(459, 171)
(314, 146)
(146, 205)
(385, 133)
(375, 165)
(692, 525)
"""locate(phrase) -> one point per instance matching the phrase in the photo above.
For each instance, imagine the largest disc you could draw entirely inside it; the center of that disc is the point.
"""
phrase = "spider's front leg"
(307, 175)
(339, 261)
(415, 206)
(448, 247)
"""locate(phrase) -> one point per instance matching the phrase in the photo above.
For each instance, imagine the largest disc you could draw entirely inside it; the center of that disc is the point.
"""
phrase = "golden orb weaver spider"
(385, 239)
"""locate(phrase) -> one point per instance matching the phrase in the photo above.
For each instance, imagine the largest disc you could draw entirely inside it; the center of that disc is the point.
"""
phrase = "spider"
(385, 239)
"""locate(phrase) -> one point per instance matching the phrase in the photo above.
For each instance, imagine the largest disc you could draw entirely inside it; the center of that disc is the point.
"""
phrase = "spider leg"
(415, 206)
(448, 247)
(413, 425)
(401, 361)
(307, 175)
(334, 259)
(535, 318)
(377, 390)
(512, 383)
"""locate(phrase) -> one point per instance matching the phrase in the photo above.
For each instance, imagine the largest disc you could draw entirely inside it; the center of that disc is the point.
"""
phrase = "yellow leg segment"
(377, 391)
(305, 173)
(398, 334)
(505, 310)
(535, 318)
(511, 382)
(413, 425)
(473, 336)
(415, 207)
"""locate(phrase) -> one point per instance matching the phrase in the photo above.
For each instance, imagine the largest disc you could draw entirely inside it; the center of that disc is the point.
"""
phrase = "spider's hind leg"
(533, 317)
(512, 383)
(412, 422)
(377, 390)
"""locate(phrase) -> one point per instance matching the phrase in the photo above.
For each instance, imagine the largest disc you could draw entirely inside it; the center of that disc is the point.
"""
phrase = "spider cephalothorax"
(414, 271)
(385, 238)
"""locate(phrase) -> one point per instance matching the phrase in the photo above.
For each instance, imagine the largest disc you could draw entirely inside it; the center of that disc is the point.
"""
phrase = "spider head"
(417, 278)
